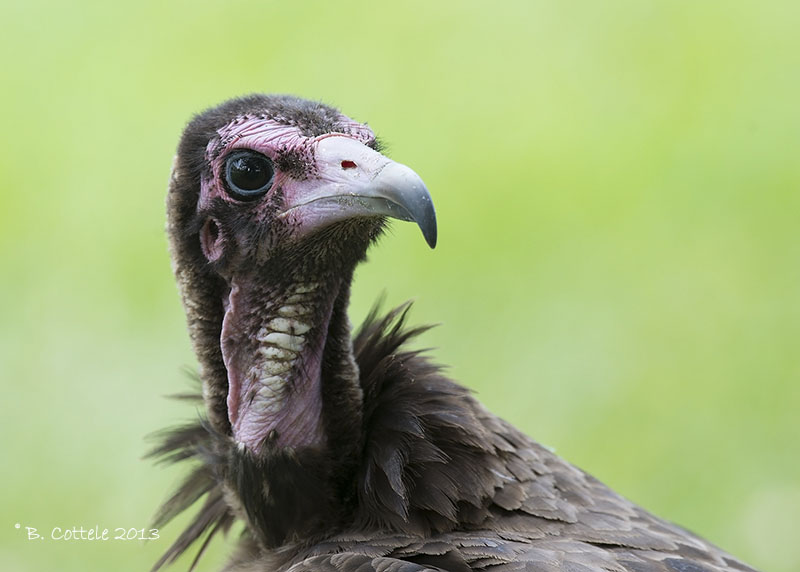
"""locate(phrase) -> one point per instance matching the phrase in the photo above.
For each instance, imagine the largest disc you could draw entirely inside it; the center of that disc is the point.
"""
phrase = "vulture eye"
(248, 175)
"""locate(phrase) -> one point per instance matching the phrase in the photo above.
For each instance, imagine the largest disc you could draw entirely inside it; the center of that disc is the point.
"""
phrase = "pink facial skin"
(321, 180)
(275, 141)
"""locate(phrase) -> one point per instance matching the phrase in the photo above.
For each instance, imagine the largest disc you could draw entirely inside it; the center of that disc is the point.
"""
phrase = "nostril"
(346, 164)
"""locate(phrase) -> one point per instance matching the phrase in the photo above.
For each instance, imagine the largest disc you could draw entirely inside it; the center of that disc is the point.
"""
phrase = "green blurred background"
(618, 271)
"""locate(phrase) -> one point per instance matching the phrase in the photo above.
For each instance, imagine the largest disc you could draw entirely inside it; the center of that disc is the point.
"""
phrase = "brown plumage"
(352, 454)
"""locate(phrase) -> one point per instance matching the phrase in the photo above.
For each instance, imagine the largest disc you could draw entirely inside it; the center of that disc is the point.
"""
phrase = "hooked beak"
(353, 180)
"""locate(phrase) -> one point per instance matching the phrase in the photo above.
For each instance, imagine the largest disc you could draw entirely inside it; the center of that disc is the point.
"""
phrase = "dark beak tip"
(430, 236)
(426, 221)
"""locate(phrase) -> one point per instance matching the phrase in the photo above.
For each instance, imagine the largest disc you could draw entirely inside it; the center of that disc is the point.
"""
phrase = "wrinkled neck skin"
(291, 375)
(272, 349)
(273, 342)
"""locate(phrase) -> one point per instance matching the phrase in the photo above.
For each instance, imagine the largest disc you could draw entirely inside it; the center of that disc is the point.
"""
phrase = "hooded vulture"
(340, 451)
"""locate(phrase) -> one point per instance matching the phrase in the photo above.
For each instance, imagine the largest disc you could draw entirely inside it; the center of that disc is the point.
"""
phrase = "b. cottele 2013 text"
(79, 533)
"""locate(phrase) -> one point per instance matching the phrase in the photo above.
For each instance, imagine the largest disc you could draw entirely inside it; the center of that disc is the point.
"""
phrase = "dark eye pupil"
(248, 174)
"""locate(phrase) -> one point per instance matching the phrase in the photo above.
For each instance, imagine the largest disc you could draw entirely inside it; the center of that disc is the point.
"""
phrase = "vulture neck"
(294, 403)
(291, 372)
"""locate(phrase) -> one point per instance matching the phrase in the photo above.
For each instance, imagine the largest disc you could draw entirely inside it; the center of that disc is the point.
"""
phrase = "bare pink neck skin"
(273, 355)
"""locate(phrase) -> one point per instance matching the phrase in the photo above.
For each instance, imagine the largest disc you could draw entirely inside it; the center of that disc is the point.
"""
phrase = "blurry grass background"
(619, 263)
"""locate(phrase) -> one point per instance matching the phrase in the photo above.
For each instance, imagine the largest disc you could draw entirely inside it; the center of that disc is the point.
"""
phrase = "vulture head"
(273, 201)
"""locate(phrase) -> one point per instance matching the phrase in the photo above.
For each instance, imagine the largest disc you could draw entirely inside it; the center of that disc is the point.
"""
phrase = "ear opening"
(211, 240)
